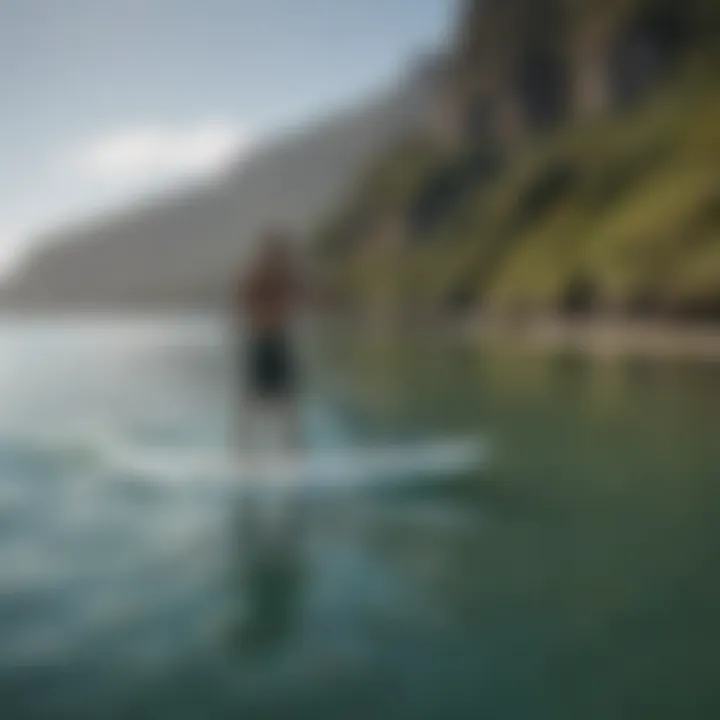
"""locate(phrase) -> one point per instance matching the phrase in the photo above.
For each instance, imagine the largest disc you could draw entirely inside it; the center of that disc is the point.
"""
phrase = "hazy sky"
(103, 100)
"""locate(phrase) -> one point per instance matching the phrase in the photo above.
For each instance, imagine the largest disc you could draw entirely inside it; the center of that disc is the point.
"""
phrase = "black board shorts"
(271, 369)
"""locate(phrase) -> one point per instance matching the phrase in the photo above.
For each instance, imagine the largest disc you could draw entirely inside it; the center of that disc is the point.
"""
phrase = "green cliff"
(574, 168)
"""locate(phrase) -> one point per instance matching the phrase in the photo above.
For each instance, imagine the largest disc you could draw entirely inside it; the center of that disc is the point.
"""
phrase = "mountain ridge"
(179, 248)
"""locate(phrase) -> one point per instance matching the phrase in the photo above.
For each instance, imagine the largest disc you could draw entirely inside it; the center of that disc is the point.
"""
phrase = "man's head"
(276, 248)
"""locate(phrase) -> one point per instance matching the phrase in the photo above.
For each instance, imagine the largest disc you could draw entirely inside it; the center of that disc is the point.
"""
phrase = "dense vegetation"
(617, 212)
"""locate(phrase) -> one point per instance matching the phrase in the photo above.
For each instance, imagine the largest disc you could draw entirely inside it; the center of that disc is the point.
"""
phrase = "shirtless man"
(268, 301)
(267, 304)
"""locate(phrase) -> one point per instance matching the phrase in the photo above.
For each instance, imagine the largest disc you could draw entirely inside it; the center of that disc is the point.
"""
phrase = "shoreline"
(599, 336)
(603, 337)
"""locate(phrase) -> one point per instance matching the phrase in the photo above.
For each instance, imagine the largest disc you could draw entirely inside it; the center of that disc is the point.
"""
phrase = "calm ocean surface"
(574, 577)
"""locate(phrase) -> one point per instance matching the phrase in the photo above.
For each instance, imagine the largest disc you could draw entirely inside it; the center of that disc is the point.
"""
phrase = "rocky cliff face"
(525, 65)
(583, 164)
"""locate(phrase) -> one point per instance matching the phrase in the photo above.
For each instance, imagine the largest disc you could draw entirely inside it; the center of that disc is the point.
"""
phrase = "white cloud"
(112, 168)
(154, 152)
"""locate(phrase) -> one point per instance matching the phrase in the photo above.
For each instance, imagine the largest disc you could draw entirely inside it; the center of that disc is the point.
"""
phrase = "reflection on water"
(267, 576)
(271, 583)
(574, 578)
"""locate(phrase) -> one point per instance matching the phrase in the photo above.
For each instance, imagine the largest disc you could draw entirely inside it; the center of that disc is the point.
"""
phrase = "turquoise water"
(575, 577)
